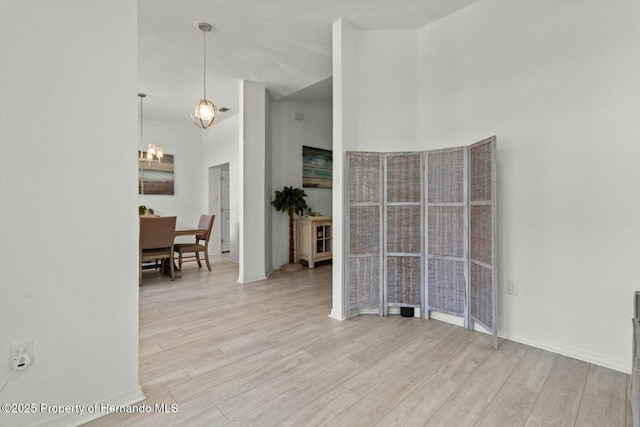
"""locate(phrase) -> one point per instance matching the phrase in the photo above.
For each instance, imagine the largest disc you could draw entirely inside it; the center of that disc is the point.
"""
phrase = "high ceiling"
(284, 44)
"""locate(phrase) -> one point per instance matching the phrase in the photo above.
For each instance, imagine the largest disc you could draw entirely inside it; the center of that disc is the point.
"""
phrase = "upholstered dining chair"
(156, 240)
(201, 244)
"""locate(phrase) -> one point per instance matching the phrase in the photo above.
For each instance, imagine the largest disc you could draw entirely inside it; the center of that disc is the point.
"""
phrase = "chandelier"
(205, 113)
(153, 151)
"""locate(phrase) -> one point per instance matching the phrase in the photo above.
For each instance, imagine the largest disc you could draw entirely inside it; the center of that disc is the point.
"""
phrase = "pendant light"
(153, 152)
(205, 113)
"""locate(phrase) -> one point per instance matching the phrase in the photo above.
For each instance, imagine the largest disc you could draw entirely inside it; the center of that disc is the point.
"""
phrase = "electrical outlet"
(27, 355)
(514, 289)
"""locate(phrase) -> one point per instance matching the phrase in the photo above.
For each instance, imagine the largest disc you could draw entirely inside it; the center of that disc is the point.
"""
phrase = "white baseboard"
(390, 310)
(336, 316)
(251, 279)
(129, 398)
(365, 310)
(569, 351)
(554, 347)
(458, 321)
(541, 343)
(447, 318)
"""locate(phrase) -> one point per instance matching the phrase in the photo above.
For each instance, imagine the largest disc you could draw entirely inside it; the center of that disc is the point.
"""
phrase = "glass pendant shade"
(204, 114)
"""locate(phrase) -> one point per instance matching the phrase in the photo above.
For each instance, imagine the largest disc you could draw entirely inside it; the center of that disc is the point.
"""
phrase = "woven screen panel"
(446, 231)
(480, 180)
(403, 280)
(481, 234)
(446, 285)
(403, 229)
(403, 178)
(446, 176)
(364, 282)
(481, 304)
(364, 177)
(364, 230)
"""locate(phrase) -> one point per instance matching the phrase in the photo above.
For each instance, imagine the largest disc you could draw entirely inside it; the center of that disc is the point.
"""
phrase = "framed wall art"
(156, 177)
(317, 167)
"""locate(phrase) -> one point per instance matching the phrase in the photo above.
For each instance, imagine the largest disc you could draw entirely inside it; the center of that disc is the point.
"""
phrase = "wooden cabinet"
(314, 239)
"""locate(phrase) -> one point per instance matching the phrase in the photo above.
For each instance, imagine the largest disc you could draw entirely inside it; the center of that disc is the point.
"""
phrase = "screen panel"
(403, 230)
(446, 231)
(481, 172)
(481, 304)
(403, 175)
(482, 236)
(446, 218)
(446, 280)
(446, 175)
(363, 281)
(364, 177)
(364, 230)
(404, 280)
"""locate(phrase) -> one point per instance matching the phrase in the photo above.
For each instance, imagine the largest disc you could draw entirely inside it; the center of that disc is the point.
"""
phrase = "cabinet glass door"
(323, 239)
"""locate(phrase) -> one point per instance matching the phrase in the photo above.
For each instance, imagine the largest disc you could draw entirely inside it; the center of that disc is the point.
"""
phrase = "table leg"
(166, 268)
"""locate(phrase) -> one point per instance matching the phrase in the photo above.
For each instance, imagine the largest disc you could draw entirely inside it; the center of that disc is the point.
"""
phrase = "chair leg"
(198, 259)
(170, 259)
(180, 261)
(206, 257)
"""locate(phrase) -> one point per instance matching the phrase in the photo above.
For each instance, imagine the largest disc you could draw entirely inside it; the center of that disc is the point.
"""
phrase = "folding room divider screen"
(421, 232)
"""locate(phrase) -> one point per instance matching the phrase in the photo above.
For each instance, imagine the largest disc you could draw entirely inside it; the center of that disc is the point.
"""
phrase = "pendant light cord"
(204, 55)
(141, 126)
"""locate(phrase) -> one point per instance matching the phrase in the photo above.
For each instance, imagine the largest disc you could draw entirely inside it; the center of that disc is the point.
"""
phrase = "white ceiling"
(284, 44)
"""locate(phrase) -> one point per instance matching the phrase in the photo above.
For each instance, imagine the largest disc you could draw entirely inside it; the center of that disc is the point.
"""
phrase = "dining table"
(187, 231)
(181, 230)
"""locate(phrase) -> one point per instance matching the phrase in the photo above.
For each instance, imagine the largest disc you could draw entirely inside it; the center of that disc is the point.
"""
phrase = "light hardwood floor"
(265, 353)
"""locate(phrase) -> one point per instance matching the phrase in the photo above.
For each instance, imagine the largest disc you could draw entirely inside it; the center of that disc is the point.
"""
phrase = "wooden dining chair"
(156, 241)
(201, 244)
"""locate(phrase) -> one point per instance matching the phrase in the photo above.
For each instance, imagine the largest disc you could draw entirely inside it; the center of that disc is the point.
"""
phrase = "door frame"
(214, 206)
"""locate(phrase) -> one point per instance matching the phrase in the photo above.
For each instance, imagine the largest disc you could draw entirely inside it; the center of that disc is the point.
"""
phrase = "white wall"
(387, 95)
(288, 137)
(268, 178)
(68, 252)
(185, 143)
(253, 206)
(220, 145)
(345, 138)
(557, 83)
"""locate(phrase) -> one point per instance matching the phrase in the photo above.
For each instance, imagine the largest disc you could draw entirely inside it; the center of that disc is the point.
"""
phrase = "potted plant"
(290, 200)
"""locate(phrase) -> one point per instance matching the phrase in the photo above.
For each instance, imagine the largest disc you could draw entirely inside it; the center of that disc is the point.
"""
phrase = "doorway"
(225, 232)
(219, 205)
